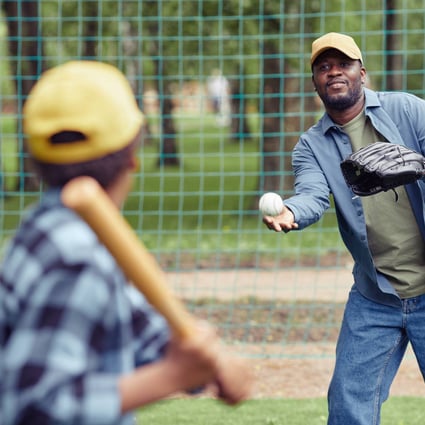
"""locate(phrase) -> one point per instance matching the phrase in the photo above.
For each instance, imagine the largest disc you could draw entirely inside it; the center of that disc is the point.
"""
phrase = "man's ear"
(363, 74)
(314, 85)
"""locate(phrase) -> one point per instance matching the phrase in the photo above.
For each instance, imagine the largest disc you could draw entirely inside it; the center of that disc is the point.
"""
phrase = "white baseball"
(271, 204)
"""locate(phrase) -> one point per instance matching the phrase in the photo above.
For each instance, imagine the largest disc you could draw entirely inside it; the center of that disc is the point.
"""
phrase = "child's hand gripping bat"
(86, 197)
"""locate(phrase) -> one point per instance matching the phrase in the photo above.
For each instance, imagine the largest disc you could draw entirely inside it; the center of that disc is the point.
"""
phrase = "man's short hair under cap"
(91, 99)
(333, 40)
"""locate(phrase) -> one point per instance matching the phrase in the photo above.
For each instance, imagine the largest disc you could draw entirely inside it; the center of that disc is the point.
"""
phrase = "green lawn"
(396, 411)
(202, 208)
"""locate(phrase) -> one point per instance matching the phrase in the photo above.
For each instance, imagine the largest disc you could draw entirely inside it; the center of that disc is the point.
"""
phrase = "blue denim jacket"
(400, 118)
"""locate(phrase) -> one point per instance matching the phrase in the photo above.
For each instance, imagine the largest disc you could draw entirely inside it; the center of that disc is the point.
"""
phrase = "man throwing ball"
(385, 233)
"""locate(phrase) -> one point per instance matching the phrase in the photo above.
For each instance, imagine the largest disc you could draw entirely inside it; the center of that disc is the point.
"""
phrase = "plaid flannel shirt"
(69, 324)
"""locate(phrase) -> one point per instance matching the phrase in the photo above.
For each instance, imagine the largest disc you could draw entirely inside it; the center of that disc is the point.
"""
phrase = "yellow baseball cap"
(87, 97)
(333, 40)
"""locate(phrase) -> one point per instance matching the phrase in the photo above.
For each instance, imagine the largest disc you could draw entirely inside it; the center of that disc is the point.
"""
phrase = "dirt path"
(302, 371)
(309, 378)
(291, 284)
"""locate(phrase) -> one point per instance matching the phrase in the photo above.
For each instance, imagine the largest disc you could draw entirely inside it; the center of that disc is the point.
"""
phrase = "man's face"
(338, 80)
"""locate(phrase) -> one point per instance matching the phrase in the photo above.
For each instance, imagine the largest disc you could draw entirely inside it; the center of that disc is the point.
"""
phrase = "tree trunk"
(168, 152)
(168, 145)
(271, 112)
(393, 61)
(90, 30)
(239, 125)
(25, 45)
(133, 69)
(282, 123)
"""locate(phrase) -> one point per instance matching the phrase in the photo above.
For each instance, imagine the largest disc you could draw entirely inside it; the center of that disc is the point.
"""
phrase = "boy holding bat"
(77, 343)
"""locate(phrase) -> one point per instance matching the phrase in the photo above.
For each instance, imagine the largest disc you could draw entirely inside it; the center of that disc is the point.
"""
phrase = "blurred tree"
(26, 50)
(262, 47)
(393, 59)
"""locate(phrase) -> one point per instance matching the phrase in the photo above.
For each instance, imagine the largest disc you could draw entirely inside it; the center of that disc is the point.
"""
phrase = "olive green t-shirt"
(394, 238)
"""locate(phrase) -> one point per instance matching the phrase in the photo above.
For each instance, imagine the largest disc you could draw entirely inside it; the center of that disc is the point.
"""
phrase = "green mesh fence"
(206, 161)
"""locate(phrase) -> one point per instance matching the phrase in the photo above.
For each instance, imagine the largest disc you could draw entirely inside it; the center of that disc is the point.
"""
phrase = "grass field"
(204, 208)
(396, 411)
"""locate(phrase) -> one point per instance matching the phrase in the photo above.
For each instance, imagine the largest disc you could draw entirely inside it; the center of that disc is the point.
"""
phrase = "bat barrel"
(85, 196)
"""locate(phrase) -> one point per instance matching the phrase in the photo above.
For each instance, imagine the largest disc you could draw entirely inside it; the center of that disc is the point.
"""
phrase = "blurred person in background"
(218, 89)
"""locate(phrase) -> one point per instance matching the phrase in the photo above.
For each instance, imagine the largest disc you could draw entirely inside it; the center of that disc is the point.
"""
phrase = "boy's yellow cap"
(88, 97)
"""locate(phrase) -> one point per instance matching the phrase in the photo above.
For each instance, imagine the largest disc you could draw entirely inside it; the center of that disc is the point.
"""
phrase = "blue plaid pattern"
(69, 324)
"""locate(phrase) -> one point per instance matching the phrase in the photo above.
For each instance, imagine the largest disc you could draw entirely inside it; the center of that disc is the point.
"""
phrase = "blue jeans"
(371, 345)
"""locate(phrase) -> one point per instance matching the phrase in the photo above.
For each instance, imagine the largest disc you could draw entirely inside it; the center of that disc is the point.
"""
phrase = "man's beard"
(343, 102)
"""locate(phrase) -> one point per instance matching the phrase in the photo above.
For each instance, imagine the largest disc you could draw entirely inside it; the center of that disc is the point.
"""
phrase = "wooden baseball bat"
(87, 198)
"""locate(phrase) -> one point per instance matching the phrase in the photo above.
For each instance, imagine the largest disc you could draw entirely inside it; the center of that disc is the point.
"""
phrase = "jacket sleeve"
(311, 197)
